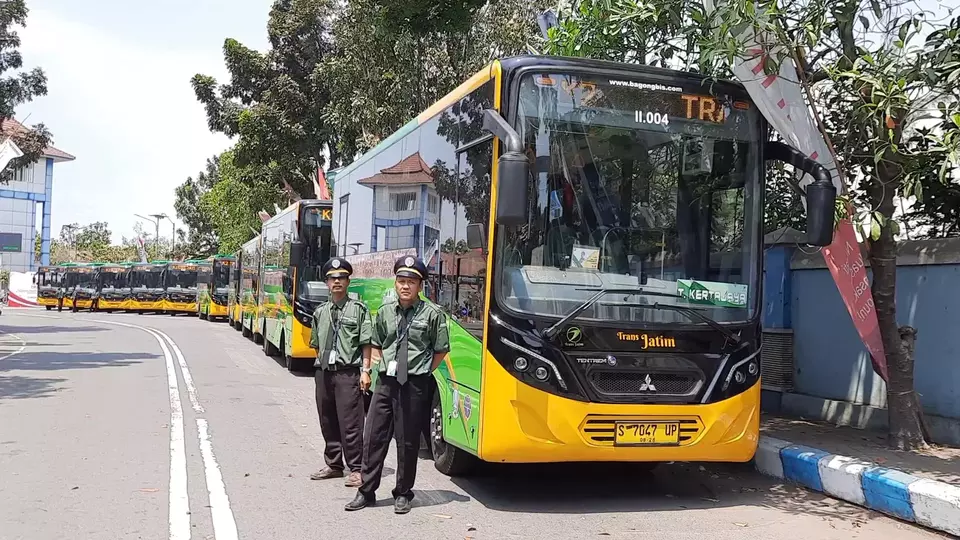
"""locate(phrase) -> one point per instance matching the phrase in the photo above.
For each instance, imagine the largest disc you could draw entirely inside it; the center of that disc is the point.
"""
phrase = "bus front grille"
(598, 430)
(639, 383)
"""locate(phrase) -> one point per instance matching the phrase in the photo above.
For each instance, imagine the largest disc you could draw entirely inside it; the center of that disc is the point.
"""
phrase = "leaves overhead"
(17, 88)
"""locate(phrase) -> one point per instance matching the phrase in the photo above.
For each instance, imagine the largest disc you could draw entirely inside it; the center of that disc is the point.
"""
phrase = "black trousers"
(395, 410)
(341, 411)
(60, 304)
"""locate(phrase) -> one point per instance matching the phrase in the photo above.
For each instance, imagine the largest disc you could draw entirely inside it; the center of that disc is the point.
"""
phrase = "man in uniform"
(410, 340)
(341, 335)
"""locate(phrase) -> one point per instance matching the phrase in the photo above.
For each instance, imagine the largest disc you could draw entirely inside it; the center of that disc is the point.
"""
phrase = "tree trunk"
(905, 429)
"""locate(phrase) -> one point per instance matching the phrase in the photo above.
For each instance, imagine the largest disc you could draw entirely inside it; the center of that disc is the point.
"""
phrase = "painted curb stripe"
(924, 501)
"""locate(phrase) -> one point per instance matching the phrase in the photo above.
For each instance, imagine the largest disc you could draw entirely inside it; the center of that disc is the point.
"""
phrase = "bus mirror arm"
(821, 194)
(513, 171)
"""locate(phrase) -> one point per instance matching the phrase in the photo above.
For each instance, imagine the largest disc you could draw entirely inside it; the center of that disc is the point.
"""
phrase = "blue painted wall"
(830, 360)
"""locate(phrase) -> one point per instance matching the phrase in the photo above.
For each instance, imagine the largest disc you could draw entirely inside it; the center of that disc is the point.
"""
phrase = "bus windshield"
(47, 278)
(315, 232)
(148, 278)
(79, 277)
(221, 275)
(635, 186)
(181, 277)
(112, 279)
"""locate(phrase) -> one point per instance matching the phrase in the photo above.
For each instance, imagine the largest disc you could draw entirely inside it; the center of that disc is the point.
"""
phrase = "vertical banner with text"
(779, 97)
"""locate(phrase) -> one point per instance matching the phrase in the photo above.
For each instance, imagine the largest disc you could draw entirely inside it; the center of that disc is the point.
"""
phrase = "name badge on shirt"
(332, 358)
(392, 368)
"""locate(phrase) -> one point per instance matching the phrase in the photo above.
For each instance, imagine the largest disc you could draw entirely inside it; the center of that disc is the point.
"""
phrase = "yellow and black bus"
(250, 290)
(295, 244)
(213, 287)
(48, 283)
(616, 214)
(180, 287)
(113, 287)
(79, 285)
(146, 288)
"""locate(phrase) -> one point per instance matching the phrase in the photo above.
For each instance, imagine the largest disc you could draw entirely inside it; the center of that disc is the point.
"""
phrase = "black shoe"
(358, 503)
(401, 505)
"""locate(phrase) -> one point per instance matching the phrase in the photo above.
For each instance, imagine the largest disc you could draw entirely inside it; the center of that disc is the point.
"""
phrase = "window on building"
(400, 237)
(432, 203)
(403, 202)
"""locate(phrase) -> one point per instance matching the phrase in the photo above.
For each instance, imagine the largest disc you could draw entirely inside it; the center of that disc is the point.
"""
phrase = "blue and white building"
(29, 191)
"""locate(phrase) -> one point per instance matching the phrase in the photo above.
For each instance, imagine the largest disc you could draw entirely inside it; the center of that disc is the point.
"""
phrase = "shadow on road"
(17, 387)
(47, 329)
(50, 361)
(594, 488)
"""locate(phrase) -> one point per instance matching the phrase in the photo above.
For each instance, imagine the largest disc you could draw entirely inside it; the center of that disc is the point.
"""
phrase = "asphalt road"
(105, 435)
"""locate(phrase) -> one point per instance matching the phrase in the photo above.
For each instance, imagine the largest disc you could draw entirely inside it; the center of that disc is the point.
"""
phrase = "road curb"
(923, 501)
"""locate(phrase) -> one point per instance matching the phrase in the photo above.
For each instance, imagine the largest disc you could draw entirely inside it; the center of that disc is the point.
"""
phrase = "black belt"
(340, 367)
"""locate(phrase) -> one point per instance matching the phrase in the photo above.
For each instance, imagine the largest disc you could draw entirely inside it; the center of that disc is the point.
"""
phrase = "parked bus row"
(611, 215)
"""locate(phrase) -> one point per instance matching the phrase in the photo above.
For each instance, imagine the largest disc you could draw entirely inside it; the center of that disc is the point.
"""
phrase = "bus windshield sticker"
(713, 293)
(585, 257)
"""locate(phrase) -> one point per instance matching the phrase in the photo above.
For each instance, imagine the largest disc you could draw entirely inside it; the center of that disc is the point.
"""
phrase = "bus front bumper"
(110, 304)
(524, 425)
(216, 310)
(180, 307)
(83, 303)
(46, 301)
(144, 305)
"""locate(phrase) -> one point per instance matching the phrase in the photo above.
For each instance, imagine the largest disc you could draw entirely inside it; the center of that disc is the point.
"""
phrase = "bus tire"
(448, 459)
(202, 315)
(48, 307)
(245, 332)
(268, 348)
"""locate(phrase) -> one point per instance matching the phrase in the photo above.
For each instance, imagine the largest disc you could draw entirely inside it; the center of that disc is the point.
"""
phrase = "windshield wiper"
(694, 314)
(552, 331)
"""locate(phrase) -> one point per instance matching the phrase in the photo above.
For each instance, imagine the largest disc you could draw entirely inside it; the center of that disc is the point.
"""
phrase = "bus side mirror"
(296, 251)
(821, 195)
(476, 236)
(821, 209)
(513, 171)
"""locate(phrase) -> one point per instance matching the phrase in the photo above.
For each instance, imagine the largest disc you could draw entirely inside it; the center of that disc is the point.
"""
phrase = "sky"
(120, 99)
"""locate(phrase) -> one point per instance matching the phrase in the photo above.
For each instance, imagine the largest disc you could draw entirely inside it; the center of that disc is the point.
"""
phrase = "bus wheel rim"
(437, 420)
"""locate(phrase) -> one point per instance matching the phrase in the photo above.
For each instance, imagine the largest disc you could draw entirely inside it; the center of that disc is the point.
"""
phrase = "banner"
(377, 264)
(779, 96)
(320, 186)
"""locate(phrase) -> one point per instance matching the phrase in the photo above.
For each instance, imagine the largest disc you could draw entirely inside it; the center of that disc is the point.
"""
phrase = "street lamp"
(155, 219)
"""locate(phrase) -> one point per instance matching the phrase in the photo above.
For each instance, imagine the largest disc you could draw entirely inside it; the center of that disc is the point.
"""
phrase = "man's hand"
(364, 381)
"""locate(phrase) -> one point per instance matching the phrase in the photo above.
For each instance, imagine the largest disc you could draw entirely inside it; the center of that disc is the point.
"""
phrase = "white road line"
(179, 515)
(23, 345)
(224, 524)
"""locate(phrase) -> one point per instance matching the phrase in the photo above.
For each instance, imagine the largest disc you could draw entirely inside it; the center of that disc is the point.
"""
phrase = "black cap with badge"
(337, 266)
(411, 267)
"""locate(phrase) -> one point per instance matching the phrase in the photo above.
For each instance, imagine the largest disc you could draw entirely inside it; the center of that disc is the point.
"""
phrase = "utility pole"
(173, 232)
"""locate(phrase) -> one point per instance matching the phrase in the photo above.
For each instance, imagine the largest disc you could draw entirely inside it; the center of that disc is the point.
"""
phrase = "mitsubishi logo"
(647, 385)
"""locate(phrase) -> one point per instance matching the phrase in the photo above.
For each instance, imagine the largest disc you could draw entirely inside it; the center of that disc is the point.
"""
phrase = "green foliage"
(383, 73)
(275, 100)
(231, 204)
(202, 238)
(455, 247)
(18, 88)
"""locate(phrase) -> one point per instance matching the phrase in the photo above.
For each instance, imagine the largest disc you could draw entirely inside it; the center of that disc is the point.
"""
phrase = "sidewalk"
(857, 466)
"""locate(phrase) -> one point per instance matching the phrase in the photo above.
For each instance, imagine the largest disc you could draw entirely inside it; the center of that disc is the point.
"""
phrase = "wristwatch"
(366, 370)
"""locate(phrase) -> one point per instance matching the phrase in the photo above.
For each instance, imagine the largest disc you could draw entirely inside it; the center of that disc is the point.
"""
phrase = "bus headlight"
(752, 368)
(541, 373)
(541, 359)
(521, 363)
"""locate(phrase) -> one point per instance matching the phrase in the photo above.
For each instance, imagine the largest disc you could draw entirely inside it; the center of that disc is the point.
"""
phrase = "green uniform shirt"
(353, 320)
(427, 334)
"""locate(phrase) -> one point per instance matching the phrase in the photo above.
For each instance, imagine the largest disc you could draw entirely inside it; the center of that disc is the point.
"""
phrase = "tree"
(274, 101)
(19, 88)
(233, 203)
(393, 59)
(455, 247)
(201, 238)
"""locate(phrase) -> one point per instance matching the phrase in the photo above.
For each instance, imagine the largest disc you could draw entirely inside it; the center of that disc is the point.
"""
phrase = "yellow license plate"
(643, 433)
